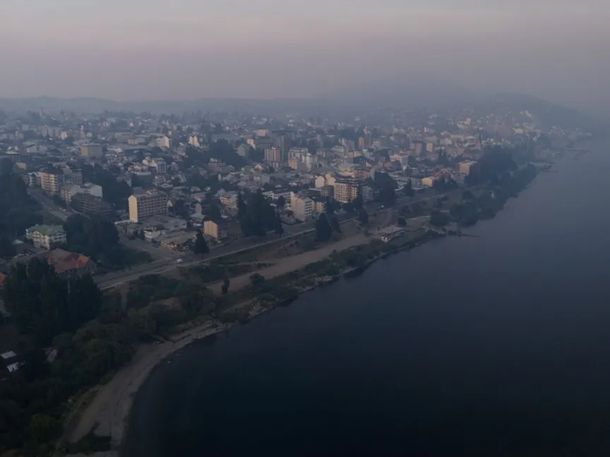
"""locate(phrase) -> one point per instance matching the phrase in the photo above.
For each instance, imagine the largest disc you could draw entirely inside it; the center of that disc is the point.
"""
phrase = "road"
(49, 205)
(167, 265)
(162, 266)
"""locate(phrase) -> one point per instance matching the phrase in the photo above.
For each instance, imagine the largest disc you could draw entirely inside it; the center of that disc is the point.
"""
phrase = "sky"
(189, 49)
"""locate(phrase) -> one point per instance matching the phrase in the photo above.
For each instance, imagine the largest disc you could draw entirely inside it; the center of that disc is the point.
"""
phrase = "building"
(229, 199)
(346, 189)
(468, 167)
(302, 207)
(162, 141)
(68, 192)
(429, 181)
(46, 236)
(157, 227)
(142, 206)
(50, 182)
(70, 264)
(214, 229)
(91, 205)
(273, 155)
(72, 177)
(92, 151)
(390, 233)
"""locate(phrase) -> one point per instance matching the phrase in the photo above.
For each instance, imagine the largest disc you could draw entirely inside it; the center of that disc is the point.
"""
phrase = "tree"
(363, 217)
(44, 305)
(330, 207)
(257, 281)
(386, 187)
(439, 219)
(402, 222)
(323, 228)
(96, 237)
(6, 167)
(43, 428)
(225, 286)
(279, 228)
(256, 215)
(201, 246)
(115, 192)
(334, 224)
(281, 201)
(7, 250)
(408, 190)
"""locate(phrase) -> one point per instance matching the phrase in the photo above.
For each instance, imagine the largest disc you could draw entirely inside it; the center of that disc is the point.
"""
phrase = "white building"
(142, 206)
(46, 236)
(302, 207)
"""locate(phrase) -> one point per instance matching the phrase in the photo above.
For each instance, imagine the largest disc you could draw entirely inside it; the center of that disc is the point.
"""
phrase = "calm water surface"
(497, 345)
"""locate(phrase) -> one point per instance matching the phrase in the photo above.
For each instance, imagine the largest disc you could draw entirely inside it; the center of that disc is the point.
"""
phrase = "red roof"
(63, 261)
(3, 279)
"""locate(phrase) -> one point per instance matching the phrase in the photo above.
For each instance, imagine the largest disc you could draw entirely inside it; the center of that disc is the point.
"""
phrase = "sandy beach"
(108, 412)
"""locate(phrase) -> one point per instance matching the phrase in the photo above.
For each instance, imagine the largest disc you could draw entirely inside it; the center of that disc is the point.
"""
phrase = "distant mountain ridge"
(349, 102)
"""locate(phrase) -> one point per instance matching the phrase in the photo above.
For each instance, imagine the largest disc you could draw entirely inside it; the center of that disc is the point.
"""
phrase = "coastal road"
(162, 266)
(167, 265)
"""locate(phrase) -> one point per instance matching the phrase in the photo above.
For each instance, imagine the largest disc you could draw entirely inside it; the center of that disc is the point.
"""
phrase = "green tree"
(201, 246)
(256, 215)
(363, 217)
(226, 283)
(323, 228)
(43, 428)
(7, 250)
(278, 227)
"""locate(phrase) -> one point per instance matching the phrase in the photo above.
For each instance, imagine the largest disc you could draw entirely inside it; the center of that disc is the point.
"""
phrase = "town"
(157, 209)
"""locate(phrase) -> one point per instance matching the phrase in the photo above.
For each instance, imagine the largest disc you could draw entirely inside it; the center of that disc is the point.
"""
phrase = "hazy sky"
(153, 49)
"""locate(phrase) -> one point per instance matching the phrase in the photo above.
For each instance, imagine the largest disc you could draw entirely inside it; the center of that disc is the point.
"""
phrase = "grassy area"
(218, 270)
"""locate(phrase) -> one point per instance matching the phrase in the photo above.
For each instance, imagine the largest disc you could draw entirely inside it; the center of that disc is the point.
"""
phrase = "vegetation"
(115, 192)
(323, 229)
(201, 246)
(386, 188)
(256, 215)
(98, 238)
(18, 210)
(44, 305)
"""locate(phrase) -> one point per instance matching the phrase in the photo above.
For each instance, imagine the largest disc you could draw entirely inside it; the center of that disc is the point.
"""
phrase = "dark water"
(490, 346)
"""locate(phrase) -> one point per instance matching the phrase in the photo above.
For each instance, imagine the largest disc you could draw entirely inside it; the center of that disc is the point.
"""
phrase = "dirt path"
(293, 263)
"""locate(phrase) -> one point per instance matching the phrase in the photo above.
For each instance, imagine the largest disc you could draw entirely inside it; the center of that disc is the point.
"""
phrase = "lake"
(492, 345)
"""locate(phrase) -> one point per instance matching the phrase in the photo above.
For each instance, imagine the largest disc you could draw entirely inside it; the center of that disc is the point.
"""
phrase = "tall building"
(346, 189)
(91, 205)
(68, 192)
(142, 206)
(50, 182)
(273, 155)
(214, 229)
(92, 151)
(302, 206)
(72, 177)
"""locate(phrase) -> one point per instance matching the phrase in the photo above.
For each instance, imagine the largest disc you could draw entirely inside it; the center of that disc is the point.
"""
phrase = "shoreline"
(108, 412)
(105, 410)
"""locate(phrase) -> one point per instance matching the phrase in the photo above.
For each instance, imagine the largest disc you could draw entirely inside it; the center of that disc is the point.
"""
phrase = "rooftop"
(47, 229)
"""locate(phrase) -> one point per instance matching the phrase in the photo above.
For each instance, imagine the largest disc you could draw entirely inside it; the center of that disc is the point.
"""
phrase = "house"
(46, 236)
(11, 362)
